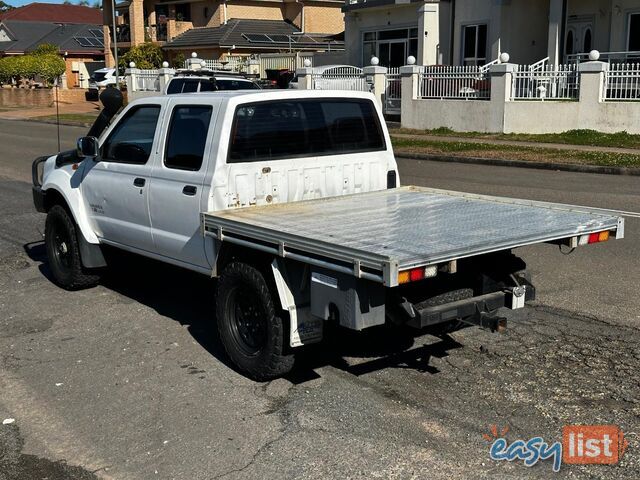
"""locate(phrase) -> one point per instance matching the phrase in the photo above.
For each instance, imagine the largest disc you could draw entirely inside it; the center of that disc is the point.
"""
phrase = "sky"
(19, 3)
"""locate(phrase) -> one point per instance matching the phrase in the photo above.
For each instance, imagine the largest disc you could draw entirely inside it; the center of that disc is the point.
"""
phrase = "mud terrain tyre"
(251, 331)
(63, 251)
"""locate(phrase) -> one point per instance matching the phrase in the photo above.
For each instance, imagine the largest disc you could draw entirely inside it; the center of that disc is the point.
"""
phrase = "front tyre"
(251, 332)
(63, 251)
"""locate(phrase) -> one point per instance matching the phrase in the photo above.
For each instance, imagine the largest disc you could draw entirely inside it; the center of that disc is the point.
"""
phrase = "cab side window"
(131, 140)
(187, 137)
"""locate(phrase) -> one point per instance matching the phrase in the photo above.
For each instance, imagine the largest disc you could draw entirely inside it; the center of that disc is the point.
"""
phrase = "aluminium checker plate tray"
(376, 234)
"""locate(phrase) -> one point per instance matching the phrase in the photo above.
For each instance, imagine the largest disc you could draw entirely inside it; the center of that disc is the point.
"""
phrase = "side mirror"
(87, 147)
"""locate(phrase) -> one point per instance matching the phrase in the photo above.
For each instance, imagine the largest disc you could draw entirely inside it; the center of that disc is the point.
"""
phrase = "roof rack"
(203, 72)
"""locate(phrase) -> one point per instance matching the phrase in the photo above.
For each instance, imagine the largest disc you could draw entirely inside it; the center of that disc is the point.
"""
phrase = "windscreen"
(304, 128)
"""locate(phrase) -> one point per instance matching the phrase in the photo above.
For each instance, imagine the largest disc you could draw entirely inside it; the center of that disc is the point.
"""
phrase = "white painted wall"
(502, 116)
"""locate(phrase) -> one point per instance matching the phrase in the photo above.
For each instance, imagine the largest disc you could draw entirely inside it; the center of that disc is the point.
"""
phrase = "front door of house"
(392, 53)
(579, 36)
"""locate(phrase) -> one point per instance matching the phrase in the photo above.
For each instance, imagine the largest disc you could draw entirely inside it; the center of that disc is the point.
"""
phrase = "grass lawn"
(511, 152)
(79, 118)
(573, 137)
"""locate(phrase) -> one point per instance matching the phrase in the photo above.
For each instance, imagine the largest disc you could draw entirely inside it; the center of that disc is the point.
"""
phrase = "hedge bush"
(41, 63)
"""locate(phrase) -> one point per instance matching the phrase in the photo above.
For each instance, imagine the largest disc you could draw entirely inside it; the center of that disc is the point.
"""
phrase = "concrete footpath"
(35, 113)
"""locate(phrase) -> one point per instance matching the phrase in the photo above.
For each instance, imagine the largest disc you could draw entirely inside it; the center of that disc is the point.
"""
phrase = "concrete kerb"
(500, 162)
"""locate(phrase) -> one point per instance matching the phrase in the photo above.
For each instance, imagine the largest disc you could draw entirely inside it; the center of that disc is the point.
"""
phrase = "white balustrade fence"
(622, 82)
(234, 64)
(450, 82)
(147, 81)
(392, 91)
(546, 82)
(340, 78)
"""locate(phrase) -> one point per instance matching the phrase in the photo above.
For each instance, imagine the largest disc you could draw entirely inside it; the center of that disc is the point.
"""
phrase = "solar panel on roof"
(257, 37)
(280, 38)
(307, 39)
(96, 33)
(82, 41)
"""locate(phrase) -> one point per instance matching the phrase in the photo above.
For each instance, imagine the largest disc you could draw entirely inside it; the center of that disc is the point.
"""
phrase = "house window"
(587, 40)
(633, 41)
(183, 12)
(392, 47)
(474, 44)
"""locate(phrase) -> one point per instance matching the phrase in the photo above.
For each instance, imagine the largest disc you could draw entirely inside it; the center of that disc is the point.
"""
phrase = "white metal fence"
(546, 82)
(450, 82)
(622, 82)
(234, 64)
(147, 81)
(340, 78)
(392, 99)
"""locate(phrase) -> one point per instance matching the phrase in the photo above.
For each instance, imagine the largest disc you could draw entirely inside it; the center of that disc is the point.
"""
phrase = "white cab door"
(115, 186)
(177, 192)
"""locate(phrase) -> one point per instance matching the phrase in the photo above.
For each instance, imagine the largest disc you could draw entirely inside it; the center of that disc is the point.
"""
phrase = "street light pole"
(115, 42)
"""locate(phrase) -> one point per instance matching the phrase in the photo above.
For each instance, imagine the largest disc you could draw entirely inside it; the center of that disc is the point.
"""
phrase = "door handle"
(189, 190)
(139, 182)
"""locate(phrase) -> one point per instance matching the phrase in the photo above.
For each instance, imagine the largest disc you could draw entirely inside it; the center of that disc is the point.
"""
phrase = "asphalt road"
(127, 381)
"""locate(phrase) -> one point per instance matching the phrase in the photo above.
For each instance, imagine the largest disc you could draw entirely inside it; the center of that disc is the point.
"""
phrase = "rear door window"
(175, 86)
(235, 84)
(187, 137)
(302, 128)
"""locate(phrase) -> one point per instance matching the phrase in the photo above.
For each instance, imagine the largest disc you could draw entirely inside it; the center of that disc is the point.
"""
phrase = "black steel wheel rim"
(247, 318)
(61, 245)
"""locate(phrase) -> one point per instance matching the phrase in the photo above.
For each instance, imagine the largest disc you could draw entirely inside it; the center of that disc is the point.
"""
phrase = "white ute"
(292, 200)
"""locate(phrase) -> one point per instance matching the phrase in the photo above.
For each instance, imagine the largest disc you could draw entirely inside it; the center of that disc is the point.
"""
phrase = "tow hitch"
(486, 320)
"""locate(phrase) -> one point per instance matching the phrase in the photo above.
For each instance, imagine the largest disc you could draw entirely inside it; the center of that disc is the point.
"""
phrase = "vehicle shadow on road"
(189, 299)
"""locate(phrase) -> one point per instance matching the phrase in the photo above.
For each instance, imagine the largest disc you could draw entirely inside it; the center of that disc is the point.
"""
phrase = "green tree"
(45, 65)
(178, 60)
(146, 56)
(4, 7)
(45, 49)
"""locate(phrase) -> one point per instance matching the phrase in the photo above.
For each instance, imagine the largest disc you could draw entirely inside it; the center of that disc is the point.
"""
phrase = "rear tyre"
(251, 332)
(63, 251)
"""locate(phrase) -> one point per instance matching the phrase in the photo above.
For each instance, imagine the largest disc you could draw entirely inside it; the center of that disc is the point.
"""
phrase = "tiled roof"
(47, 12)
(239, 32)
(28, 35)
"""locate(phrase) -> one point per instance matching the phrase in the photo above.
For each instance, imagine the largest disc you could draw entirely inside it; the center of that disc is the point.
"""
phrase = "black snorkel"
(112, 100)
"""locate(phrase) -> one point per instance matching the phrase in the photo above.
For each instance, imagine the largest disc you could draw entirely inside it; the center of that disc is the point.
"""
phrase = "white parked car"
(102, 78)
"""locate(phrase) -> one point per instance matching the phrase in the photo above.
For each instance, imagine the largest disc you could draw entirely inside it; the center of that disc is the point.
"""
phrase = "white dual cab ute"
(292, 200)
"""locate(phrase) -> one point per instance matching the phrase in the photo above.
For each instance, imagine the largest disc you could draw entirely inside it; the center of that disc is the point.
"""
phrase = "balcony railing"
(612, 57)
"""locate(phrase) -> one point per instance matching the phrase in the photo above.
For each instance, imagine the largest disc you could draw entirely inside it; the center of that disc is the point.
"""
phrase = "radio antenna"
(58, 112)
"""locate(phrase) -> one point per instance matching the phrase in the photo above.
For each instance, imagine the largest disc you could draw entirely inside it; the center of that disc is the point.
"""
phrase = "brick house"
(75, 30)
(162, 21)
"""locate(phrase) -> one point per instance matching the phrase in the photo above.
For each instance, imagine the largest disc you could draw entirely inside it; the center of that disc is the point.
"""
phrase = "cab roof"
(246, 96)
